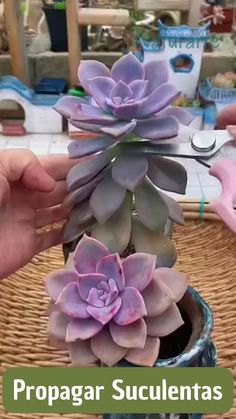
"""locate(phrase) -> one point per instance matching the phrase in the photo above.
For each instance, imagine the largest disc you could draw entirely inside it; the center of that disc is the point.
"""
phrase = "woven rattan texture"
(206, 251)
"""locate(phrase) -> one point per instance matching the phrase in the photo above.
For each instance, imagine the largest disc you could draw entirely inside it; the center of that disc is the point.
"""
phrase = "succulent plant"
(120, 171)
(107, 309)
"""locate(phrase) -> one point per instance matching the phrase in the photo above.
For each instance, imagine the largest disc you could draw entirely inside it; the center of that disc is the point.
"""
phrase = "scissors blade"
(201, 145)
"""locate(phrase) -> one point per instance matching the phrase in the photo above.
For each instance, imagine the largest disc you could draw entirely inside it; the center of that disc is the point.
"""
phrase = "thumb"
(232, 130)
(23, 165)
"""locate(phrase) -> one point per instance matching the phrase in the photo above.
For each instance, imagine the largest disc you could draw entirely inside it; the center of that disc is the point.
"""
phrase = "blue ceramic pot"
(198, 349)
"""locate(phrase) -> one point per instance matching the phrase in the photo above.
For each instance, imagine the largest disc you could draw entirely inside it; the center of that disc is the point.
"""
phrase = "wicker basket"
(206, 251)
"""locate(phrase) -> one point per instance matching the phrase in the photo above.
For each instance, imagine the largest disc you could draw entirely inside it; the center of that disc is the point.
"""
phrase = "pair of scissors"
(202, 146)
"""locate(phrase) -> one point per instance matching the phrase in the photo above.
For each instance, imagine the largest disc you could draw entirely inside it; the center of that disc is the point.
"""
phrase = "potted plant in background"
(118, 299)
(55, 12)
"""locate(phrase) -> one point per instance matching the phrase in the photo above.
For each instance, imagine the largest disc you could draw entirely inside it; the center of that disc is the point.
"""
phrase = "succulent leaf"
(57, 325)
(70, 302)
(106, 199)
(157, 128)
(131, 336)
(157, 297)
(87, 254)
(86, 170)
(129, 171)
(175, 211)
(174, 280)
(72, 231)
(148, 241)
(138, 270)
(111, 267)
(132, 307)
(115, 233)
(166, 323)
(57, 281)
(85, 191)
(84, 148)
(82, 329)
(167, 174)
(151, 208)
(81, 353)
(106, 350)
(146, 356)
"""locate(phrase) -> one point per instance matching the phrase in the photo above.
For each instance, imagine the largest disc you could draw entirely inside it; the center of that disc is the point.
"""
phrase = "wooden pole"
(16, 38)
(194, 12)
(74, 46)
(106, 17)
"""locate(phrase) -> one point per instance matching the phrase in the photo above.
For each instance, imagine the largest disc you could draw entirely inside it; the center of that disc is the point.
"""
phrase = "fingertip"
(36, 178)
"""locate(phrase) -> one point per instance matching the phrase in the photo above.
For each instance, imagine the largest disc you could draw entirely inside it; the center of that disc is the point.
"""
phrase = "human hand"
(31, 193)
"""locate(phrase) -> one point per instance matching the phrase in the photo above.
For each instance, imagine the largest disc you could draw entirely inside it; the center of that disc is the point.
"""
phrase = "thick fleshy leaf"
(154, 243)
(82, 148)
(119, 129)
(67, 105)
(101, 88)
(90, 69)
(70, 302)
(184, 117)
(175, 211)
(131, 336)
(166, 323)
(139, 88)
(81, 213)
(93, 298)
(111, 267)
(57, 325)
(138, 270)
(88, 281)
(151, 208)
(157, 297)
(84, 192)
(87, 169)
(161, 97)
(105, 349)
(72, 231)
(113, 292)
(87, 254)
(157, 128)
(127, 69)
(106, 199)
(132, 307)
(122, 91)
(92, 115)
(177, 282)
(81, 354)
(156, 72)
(129, 111)
(82, 329)
(167, 174)
(115, 233)
(105, 314)
(129, 171)
(57, 281)
(86, 126)
(147, 356)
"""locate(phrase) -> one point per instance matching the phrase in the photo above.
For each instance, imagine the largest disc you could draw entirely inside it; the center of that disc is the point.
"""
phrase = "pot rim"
(206, 330)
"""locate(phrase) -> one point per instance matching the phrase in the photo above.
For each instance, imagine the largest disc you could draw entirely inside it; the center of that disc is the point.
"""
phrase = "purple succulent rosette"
(122, 171)
(107, 309)
(131, 98)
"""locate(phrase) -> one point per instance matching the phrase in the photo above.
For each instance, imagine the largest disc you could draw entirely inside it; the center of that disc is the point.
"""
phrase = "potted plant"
(118, 299)
(220, 90)
(55, 13)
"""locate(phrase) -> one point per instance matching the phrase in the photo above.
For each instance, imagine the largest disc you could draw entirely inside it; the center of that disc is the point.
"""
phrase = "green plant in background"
(60, 5)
